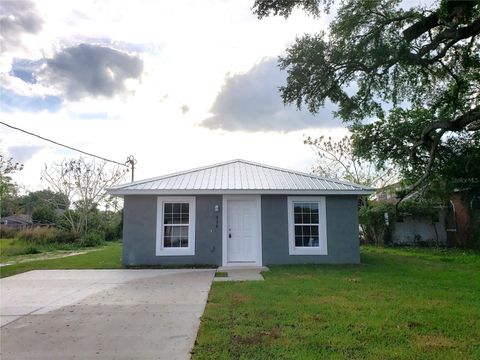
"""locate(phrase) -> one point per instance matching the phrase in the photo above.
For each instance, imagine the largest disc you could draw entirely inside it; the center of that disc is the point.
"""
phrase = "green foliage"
(44, 205)
(92, 238)
(44, 235)
(374, 225)
(414, 68)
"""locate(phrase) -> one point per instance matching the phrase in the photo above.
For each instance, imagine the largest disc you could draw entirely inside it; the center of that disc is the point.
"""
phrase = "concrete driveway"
(102, 314)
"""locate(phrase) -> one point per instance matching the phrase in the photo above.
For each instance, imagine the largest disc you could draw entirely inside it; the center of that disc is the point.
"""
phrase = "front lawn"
(398, 304)
(107, 256)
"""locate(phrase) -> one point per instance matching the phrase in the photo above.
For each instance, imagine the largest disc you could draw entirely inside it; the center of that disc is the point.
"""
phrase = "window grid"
(306, 224)
(176, 222)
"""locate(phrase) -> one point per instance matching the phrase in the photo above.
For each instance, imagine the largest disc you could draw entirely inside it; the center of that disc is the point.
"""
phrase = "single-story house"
(17, 221)
(240, 213)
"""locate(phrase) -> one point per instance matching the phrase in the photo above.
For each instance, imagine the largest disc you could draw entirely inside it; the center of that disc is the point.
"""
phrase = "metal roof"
(239, 177)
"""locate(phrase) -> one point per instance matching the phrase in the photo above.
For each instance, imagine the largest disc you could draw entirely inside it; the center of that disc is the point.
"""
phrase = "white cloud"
(187, 48)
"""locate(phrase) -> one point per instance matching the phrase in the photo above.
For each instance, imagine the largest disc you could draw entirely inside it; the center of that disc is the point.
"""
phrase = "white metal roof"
(239, 177)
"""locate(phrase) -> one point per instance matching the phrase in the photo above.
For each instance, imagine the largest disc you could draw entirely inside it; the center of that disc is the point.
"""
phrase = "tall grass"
(43, 235)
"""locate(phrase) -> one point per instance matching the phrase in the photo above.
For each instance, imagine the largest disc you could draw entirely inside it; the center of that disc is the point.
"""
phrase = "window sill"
(176, 252)
(308, 251)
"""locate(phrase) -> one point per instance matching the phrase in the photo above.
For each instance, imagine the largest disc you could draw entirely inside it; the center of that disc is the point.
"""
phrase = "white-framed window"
(175, 226)
(307, 225)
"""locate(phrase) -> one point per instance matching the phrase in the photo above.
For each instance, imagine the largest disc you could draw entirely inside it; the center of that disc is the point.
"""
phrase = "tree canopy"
(406, 79)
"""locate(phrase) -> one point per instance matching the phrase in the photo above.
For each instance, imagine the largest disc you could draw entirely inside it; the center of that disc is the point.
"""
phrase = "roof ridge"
(342, 182)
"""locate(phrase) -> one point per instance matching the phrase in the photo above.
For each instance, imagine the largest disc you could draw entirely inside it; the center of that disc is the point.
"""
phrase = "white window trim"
(322, 249)
(160, 249)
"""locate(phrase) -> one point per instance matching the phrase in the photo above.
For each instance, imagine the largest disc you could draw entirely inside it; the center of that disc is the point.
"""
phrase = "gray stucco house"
(240, 213)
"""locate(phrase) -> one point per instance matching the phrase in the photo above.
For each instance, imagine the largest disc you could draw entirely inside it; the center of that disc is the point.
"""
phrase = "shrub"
(7, 232)
(92, 238)
(44, 235)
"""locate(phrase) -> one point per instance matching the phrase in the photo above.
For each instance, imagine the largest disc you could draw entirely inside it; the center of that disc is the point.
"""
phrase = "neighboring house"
(240, 213)
(411, 230)
(17, 221)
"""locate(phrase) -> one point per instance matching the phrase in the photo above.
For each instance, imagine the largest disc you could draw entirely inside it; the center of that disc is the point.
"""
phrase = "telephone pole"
(131, 161)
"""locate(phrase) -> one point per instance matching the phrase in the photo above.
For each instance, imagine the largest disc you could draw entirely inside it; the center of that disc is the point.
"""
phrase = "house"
(240, 213)
(17, 221)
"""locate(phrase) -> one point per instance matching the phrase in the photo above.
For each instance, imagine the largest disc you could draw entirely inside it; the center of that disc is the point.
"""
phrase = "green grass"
(104, 257)
(398, 304)
(221, 274)
(15, 249)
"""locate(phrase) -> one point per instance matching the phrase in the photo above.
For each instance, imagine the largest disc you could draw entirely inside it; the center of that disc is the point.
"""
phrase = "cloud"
(16, 19)
(91, 71)
(251, 102)
(22, 153)
(11, 101)
(184, 108)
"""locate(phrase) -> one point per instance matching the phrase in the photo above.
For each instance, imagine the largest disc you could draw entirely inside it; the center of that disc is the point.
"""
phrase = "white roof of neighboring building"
(239, 177)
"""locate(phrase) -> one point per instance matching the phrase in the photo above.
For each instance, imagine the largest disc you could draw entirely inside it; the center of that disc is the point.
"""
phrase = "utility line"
(66, 146)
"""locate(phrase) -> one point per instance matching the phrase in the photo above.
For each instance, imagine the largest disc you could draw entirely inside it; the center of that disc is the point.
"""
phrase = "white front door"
(243, 242)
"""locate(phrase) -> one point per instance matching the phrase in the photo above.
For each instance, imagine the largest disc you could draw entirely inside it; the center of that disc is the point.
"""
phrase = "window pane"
(167, 218)
(176, 208)
(168, 207)
(167, 242)
(176, 242)
(314, 207)
(306, 236)
(298, 241)
(314, 219)
(297, 208)
(185, 208)
(298, 218)
(184, 242)
(306, 218)
(175, 236)
(184, 218)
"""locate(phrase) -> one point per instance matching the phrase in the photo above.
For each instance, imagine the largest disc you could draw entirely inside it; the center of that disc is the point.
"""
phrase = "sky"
(177, 84)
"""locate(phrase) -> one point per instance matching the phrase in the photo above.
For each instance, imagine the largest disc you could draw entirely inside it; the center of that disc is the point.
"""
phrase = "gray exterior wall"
(139, 232)
(342, 232)
(140, 221)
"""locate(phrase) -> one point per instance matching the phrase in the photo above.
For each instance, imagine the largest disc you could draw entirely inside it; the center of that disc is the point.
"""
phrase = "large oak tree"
(406, 78)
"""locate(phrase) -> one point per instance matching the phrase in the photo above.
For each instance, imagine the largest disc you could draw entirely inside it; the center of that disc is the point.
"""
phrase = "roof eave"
(122, 192)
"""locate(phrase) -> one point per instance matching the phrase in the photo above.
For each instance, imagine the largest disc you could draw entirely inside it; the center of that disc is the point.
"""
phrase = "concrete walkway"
(241, 273)
(102, 314)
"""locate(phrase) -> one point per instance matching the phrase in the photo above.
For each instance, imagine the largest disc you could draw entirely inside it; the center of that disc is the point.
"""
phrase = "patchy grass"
(13, 250)
(221, 274)
(398, 304)
(104, 257)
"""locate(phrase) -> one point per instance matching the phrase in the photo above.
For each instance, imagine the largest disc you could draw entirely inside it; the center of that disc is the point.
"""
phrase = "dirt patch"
(259, 337)
(241, 298)
(435, 341)
(47, 256)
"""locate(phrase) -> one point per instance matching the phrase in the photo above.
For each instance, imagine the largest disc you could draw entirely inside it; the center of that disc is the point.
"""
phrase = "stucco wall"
(342, 232)
(139, 232)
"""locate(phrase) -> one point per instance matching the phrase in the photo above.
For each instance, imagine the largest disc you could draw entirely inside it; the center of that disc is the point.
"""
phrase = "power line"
(65, 146)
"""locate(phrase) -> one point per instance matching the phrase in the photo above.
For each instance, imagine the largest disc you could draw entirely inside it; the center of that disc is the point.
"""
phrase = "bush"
(45, 235)
(92, 238)
(7, 232)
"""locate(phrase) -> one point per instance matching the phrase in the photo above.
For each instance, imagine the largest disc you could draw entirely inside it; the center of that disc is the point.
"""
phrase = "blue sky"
(178, 84)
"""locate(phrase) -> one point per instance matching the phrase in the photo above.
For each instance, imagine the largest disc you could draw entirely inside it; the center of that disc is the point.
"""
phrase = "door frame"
(258, 230)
